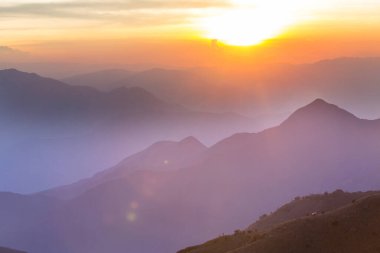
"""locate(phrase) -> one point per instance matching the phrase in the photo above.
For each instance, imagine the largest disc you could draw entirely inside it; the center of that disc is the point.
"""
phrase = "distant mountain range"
(105, 80)
(267, 91)
(337, 222)
(29, 95)
(198, 89)
(64, 133)
(167, 79)
(174, 195)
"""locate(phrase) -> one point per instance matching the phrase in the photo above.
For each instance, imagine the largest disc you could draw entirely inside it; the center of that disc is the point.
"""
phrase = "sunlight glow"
(250, 22)
(131, 216)
(134, 205)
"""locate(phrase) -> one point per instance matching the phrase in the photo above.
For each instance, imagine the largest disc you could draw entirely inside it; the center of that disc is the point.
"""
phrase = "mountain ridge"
(87, 130)
(350, 82)
(314, 232)
(160, 156)
(226, 187)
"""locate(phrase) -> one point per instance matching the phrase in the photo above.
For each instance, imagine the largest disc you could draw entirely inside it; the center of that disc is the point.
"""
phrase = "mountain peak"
(13, 71)
(192, 141)
(320, 104)
(9, 70)
(320, 110)
(319, 101)
(16, 76)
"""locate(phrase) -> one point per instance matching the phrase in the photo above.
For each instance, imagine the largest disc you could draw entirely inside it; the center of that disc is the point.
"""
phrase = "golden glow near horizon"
(250, 22)
(174, 32)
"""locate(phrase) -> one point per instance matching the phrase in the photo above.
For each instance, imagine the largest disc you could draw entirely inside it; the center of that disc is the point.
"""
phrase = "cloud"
(9, 50)
(59, 15)
(101, 9)
(4, 49)
(11, 54)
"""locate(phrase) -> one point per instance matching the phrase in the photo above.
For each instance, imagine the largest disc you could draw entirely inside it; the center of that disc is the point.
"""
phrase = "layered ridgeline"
(177, 194)
(337, 222)
(53, 133)
(351, 82)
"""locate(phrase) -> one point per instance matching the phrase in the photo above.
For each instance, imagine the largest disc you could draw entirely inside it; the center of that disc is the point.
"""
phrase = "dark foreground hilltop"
(329, 223)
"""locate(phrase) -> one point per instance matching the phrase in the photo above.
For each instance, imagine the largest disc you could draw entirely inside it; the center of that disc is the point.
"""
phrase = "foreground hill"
(307, 206)
(43, 121)
(208, 191)
(342, 227)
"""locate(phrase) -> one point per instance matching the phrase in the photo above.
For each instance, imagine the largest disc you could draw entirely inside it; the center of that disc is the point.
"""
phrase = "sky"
(190, 33)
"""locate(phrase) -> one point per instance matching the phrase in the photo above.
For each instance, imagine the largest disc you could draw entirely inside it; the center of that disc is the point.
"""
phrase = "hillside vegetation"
(341, 227)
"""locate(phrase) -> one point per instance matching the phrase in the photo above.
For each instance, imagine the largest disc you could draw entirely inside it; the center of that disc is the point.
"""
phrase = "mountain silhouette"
(44, 121)
(33, 96)
(110, 79)
(269, 91)
(320, 110)
(161, 156)
(222, 188)
(101, 80)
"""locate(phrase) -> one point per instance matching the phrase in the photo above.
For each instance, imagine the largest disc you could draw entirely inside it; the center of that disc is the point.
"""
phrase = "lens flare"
(131, 216)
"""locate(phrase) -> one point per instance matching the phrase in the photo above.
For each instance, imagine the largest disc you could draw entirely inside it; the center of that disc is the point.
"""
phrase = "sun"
(252, 22)
(245, 27)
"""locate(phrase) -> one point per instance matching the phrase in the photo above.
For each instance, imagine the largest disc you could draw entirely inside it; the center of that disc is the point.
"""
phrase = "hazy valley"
(64, 133)
(163, 126)
(177, 194)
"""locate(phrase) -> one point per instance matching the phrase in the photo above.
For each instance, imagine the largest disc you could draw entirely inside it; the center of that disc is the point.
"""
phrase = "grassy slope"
(353, 227)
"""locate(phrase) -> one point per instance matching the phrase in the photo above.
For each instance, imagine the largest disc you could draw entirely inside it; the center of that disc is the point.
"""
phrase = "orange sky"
(171, 33)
